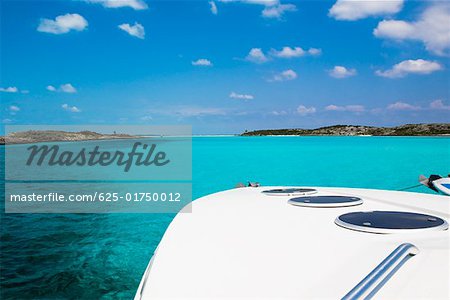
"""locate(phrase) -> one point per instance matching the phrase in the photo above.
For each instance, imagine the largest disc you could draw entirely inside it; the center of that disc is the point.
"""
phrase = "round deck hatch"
(326, 201)
(390, 222)
(290, 192)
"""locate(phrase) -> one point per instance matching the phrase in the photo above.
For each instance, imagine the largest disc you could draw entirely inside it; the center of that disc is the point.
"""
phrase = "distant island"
(38, 136)
(355, 130)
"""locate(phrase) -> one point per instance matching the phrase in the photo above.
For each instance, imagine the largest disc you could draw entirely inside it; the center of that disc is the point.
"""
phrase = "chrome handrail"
(367, 288)
(146, 273)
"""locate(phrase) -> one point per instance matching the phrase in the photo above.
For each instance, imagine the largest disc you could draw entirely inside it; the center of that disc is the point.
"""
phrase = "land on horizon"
(354, 130)
(435, 129)
(39, 136)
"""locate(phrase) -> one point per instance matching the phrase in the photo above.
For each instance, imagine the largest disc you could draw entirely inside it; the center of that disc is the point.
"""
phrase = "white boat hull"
(243, 244)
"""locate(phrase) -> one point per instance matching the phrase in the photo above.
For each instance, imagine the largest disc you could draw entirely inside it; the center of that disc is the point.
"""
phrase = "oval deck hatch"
(326, 201)
(390, 222)
(289, 192)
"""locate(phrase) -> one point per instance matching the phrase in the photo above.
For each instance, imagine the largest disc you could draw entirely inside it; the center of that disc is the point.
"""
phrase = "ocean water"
(92, 256)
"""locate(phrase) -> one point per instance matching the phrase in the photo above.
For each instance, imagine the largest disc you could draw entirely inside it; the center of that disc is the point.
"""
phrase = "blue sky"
(248, 64)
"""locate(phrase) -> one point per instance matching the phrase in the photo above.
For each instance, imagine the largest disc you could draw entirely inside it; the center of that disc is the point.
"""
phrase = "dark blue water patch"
(76, 256)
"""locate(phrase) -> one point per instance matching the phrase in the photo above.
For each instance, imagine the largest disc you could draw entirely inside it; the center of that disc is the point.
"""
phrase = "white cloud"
(73, 109)
(64, 88)
(341, 72)
(277, 11)
(198, 111)
(234, 95)
(432, 28)
(434, 105)
(135, 4)
(351, 10)
(334, 107)
(188, 111)
(402, 106)
(259, 2)
(393, 29)
(439, 105)
(136, 30)
(213, 7)
(355, 108)
(418, 66)
(256, 55)
(146, 118)
(303, 110)
(6, 121)
(14, 108)
(352, 108)
(202, 62)
(63, 24)
(314, 51)
(11, 89)
(272, 8)
(288, 52)
(67, 88)
(285, 75)
(279, 112)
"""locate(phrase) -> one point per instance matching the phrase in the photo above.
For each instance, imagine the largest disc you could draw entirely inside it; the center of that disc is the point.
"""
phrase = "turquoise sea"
(92, 256)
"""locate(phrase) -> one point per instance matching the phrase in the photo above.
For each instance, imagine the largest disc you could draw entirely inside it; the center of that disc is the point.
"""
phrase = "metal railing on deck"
(367, 288)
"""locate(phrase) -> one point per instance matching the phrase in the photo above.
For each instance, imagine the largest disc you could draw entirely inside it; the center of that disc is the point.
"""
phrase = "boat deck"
(242, 244)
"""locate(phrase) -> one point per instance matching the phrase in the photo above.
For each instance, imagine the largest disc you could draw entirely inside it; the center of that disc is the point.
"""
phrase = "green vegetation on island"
(352, 130)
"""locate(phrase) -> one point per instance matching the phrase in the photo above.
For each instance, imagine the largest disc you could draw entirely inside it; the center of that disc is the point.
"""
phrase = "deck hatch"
(326, 201)
(390, 222)
(289, 192)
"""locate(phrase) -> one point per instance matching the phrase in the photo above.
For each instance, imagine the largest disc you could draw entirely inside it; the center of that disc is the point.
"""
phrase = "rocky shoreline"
(435, 129)
(39, 136)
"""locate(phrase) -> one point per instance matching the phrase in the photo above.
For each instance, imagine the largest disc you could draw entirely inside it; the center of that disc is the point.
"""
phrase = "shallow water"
(95, 256)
